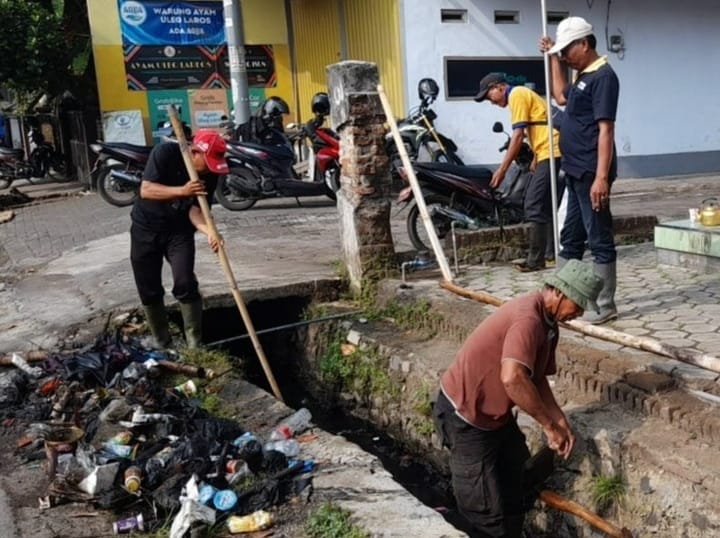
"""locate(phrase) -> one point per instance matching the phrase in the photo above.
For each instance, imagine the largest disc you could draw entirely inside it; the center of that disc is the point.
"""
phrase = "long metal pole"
(236, 55)
(222, 255)
(551, 138)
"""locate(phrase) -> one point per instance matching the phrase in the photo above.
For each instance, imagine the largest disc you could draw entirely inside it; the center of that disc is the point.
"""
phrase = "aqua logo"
(133, 13)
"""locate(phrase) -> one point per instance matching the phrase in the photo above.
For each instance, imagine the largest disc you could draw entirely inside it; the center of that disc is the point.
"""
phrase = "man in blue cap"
(505, 363)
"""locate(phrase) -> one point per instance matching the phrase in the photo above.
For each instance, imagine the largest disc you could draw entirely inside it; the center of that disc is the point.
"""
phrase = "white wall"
(669, 76)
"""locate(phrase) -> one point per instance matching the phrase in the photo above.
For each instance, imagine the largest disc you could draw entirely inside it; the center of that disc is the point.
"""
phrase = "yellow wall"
(373, 35)
(263, 23)
(317, 45)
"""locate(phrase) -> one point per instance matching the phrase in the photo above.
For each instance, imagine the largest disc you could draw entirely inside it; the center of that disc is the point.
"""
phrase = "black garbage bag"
(252, 453)
(219, 429)
(259, 498)
(167, 495)
(273, 462)
(12, 387)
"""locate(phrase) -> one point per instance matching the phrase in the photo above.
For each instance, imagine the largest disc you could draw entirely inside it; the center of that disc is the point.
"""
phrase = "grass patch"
(331, 521)
(425, 426)
(607, 491)
(422, 404)
(361, 369)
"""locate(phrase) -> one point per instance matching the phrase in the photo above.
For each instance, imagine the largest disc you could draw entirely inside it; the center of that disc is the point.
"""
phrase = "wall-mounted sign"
(173, 67)
(158, 104)
(124, 126)
(260, 64)
(208, 108)
(171, 23)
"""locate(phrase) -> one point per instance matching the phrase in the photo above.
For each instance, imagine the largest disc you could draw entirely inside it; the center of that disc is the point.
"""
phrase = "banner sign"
(123, 126)
(171, 23)
(260, 64)
(158, 104)
(171, 67)
(209, 108)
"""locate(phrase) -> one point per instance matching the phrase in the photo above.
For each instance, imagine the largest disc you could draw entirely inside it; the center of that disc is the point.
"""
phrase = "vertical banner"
(158, 104)
(207, 108)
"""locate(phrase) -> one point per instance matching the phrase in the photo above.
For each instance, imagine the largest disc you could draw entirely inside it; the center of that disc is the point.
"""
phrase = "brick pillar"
(357, 116)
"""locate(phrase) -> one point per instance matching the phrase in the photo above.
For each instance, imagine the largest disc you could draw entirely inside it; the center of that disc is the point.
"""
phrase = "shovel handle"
(566, 505)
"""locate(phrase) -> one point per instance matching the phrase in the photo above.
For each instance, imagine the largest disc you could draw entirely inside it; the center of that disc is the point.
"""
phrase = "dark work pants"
(487, 471)
(537, 203)
(582, 224)
(147, 250)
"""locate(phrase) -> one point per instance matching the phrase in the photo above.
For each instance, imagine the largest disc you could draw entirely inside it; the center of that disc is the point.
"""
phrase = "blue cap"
(225, 500)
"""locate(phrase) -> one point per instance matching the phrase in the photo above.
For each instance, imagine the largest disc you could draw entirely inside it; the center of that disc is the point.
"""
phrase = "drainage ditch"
(287, 350)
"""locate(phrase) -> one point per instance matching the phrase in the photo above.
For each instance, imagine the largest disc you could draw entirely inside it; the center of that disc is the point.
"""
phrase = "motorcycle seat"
(12, 153)
(478, 174)
(275, 152)
(124, 150)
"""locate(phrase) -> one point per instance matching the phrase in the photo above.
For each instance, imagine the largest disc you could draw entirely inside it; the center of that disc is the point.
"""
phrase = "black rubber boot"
(192, 321)
(537, 237)
(157, 320)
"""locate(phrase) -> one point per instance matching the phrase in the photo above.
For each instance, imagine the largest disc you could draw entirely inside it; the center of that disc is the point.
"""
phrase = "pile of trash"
(113, 434)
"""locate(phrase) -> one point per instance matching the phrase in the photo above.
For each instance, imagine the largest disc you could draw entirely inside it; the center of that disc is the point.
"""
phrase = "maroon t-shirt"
(519, 330)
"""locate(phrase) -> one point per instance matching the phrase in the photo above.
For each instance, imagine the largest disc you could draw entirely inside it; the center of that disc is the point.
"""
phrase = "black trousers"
(487, 469)
(147, 250)
(537, 203)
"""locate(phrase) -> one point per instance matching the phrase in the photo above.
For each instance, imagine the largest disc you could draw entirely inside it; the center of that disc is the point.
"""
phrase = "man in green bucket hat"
(505, 363)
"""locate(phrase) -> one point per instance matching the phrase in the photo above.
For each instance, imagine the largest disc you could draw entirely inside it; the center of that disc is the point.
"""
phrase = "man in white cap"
(588, 149)
(164, 219)
(505, 363)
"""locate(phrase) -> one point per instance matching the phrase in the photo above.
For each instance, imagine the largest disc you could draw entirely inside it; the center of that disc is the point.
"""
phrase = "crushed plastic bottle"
(296, 423)
(289, 447)
(257, 521)
(32, 371)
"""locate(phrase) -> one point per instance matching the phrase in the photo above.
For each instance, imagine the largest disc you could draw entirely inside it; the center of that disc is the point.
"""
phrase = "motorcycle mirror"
(498, 127)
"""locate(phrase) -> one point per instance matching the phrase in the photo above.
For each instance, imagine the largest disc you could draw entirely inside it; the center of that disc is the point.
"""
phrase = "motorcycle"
(43, 162)
(462, 195)
(325, 143)
(117, 172)
(263, 168)
(419, 135)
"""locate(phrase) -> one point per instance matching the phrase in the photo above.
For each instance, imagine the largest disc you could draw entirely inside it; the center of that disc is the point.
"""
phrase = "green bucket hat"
(577, 281)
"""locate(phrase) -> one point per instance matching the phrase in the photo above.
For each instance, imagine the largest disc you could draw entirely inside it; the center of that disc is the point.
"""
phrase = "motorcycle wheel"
(416, 229)
(113, 191)
(5, 183)
(229, 199)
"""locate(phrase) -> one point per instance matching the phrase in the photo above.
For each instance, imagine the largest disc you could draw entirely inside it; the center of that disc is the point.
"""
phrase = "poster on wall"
(208, 108)
(171, 23)
(158, 104)
(124, 126)
(260, 64)
(175, 67)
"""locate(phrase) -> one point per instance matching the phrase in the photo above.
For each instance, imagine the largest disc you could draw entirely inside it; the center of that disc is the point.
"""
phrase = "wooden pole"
(645, 343)
(571, 507)
(222, 255)
(417, 191)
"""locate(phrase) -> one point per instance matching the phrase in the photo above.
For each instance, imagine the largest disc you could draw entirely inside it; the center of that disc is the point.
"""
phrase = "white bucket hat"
(568, 31)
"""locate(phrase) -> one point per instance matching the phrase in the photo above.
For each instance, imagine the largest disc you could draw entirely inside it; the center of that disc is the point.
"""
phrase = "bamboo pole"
(222, 255)
(417, 191)
(571, 507)
(645, 343)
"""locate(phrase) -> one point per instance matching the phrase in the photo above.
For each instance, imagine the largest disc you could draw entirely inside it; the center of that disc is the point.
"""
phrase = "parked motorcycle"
(418, 132)
(325, 163)
(44, 161)
(263, 168)
(462, 194)
(117, 172)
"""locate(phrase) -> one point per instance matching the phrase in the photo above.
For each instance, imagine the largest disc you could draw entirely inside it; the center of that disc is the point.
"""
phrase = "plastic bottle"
(289, 447)
(257, 521)
(32, 371)
(244, 439)
(296, 423)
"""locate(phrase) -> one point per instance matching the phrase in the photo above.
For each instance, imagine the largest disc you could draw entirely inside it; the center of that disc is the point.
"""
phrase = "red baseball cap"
(213, 147)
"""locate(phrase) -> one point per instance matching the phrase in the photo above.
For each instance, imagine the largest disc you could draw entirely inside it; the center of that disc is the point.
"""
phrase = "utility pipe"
(222, 255)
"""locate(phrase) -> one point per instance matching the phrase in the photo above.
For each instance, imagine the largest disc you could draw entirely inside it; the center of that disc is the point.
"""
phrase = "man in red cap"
(164, 219)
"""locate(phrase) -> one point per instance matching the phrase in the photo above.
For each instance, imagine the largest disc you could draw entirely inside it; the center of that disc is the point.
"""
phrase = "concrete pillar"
(357, 116)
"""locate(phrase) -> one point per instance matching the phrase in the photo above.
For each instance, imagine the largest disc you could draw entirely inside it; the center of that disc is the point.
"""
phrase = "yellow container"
(710, 213)
(257, 521)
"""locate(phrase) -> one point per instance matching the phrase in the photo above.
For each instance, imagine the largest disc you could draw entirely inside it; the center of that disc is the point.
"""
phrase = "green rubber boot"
(157, 320)
(192, 320)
